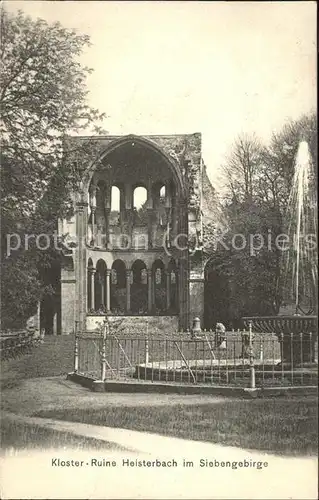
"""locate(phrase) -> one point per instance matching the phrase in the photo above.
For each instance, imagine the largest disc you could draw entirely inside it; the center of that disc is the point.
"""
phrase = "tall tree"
(242, 167)
(43, 97)
(258, 180)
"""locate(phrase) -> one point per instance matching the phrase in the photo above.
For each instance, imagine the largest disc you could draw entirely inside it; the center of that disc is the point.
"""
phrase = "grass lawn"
(284, 426)
(19, 435)
(53, 357)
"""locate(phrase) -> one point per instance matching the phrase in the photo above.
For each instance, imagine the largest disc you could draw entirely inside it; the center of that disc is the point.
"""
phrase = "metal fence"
(236, 358)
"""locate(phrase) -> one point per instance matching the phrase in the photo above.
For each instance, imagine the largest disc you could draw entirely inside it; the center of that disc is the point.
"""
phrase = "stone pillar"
(149, 194)
(80, 261)
(128, 197)
(102, 283)
(107, 227)
(92, 276)
(68, 295)
(153, 285)
(174, 220)
(93, 226)
(176, 290)
(108, 200)
(196, 295)
(168, 227)
(150, 292)
(93, 211)
(168, 290)
(108, 290)
(183, 267)
(128, 290)
(150, 227)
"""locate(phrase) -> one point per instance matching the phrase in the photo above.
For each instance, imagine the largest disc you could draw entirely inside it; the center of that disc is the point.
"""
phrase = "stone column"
(150, 227)
(92, 275)
(153, 291)
(128, 197)
(108, 290)
(108, 200)
(174, 220)
(128, 290)
(80, 261)
(168, 290)
(176, 291)
(107, 227)
(149, 290)
(196, 294)
(93, 211)
(102, 282)
(93, 226)
(149, 206)
(123, 217)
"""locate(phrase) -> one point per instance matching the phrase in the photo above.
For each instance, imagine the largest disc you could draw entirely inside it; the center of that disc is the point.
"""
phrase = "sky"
(219, 68)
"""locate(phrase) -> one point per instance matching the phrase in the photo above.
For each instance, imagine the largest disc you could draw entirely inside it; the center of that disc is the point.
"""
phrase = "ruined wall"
(198, 211)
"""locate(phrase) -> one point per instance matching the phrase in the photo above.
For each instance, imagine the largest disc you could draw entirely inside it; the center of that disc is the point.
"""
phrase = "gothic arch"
(148, 144)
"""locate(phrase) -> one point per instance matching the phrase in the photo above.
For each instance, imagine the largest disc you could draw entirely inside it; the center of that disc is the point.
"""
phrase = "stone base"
(171, 388)
(136, 325)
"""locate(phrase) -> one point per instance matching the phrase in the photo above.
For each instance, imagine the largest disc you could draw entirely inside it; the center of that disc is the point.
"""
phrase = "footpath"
(134, 467)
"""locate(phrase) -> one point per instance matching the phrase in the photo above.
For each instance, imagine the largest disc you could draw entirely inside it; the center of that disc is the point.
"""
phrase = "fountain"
(296, 323)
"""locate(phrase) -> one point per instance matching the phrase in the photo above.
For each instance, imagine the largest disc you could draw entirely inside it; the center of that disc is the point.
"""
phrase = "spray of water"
(300, 260)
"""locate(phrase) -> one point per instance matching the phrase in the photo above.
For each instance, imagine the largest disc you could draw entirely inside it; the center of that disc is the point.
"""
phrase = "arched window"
(90, 305)
(160, 203)
(139, 206)
(115, 199)
(159, 290)
(162, 192)
(115, 206)
(158, 276)
(114, 277)
(144, 277)
(99, 285)
(139, 288)
(118, 287)
(139, 197)
(173, 284)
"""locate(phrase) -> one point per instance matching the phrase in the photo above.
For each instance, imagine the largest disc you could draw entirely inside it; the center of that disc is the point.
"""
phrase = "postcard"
(159, 250)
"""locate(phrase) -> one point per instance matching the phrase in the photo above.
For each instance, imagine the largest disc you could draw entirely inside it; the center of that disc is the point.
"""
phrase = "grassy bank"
(285, 426)
(19, 435)
(52, 358)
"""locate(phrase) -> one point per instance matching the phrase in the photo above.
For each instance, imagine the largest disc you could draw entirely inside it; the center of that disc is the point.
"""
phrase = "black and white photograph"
(159, 261)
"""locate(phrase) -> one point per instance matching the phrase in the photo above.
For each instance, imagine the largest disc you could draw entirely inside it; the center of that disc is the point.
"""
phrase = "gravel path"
(282, 478)
(32, 395)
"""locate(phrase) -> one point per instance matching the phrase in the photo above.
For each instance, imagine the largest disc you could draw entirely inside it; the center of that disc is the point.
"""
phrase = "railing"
(235, 359)
(14, 344)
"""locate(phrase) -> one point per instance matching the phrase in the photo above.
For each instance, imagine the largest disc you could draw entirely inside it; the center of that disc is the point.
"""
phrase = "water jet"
(296, 322)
